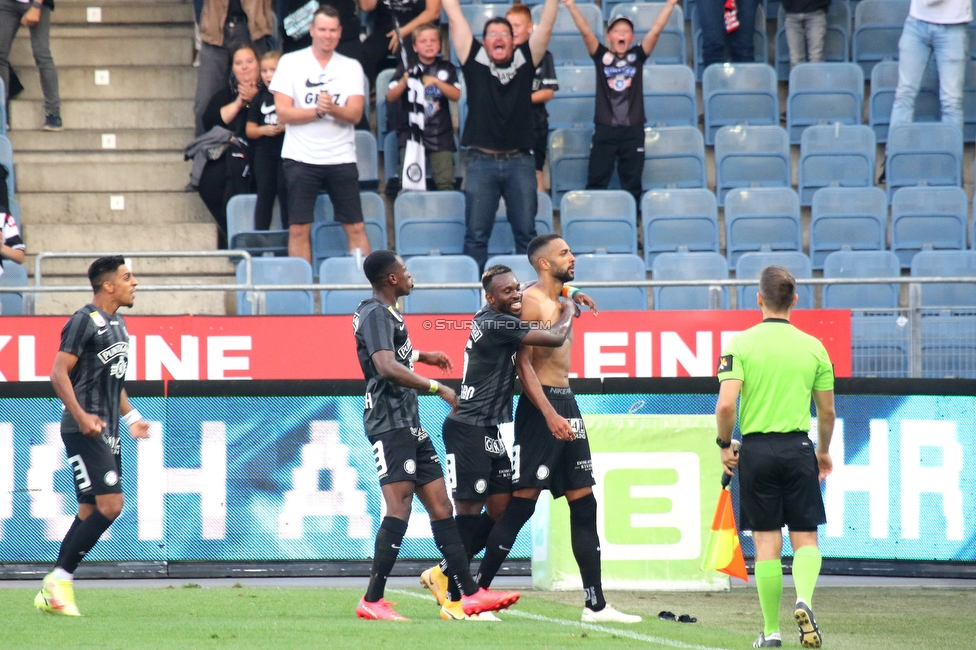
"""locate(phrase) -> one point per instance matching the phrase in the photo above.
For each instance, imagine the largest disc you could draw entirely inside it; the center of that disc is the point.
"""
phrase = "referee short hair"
(101, 268)
(379, 265)
(490, 274)
(777, 286)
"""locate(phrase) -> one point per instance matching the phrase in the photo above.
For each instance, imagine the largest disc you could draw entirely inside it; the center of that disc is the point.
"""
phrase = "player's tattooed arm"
(138, 427)
(90, 425)
(388, 368)
(556, 335)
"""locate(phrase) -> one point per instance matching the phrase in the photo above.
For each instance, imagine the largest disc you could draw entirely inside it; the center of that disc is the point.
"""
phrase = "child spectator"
(806, 29)
(618, 135)
(267, 136)
(544, 86)
(441, 87)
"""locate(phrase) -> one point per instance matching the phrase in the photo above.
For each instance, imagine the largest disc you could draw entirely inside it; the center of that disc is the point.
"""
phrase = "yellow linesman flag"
(723, 552)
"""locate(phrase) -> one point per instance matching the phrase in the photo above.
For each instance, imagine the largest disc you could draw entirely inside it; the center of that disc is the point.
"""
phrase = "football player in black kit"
(88, 376)
(406, 461)
(478, 467)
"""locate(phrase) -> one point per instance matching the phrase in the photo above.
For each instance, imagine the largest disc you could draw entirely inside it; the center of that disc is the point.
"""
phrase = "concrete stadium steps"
(101, 172)
(172, 140)
(94, 12)
(105, 46)
(109, 114)
(134, 82)
(74, 208)
(102, 237)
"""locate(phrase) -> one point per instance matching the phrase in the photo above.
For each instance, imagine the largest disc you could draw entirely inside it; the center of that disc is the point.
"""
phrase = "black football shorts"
(405, 454)
(477, 463)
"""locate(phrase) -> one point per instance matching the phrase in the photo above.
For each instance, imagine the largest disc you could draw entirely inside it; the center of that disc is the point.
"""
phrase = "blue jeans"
(919, 40)
(488, 178)
(711, 20)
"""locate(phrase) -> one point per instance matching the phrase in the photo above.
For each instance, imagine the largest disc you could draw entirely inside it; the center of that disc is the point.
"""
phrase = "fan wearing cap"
(618, 134)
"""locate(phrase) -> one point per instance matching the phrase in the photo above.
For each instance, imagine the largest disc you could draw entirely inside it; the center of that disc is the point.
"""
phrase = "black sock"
(467, 527)
(84, 538)
(586, 549)
(388, 540)
(449, 542)
(502, 536)
(66, 543)
(481, 533)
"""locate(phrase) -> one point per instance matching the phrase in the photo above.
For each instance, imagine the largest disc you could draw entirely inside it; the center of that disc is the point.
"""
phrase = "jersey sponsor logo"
(494, 446)
(480, 486)
(585, 465)
(99, 321)
(82, 479)
(404, 351)
(110, 478)
(542, 473)
(724, 363)
(579, 429)
(506, 74)
(112, 351)
(410, 466)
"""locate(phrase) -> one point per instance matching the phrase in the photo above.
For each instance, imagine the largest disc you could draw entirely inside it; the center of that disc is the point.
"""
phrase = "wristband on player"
(434, 387)
(569, 292)
(415, 356)
(131, 417)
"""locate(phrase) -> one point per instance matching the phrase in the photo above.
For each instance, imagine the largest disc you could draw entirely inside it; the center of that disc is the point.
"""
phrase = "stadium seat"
(671, 48)
(884, 82)
(518, 263)
(342, 270)
(7, 160)
(761, 218)
(877, 28)
(751, 156)
(569, 157)
(851, 217)
(739, 94)
(836, 43)
(750, 265)
(759, 41)
(383, 79)
(674, 219)
(477, 15)
(832, 154)
(595, 221)
(823, 93)
(278, 270)
(927, 217)
(328, 237)
(669, 96)
(689, 266)
(879, 345)
(566, 44)
(947, 264)
(674, 157)
(613, 268)
(502, 241)
(948, 346)
(367, 161)
(861, 264)
(14, 275)
(573, 104)
(241, 234)
(427, 222)
(923, 154)
(443, 269)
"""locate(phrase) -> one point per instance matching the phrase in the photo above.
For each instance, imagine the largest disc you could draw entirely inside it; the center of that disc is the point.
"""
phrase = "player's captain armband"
(724, 363)
(131, 417)
(569, 292)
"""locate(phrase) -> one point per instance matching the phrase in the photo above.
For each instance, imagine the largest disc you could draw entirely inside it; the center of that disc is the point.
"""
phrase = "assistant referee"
(777, 368)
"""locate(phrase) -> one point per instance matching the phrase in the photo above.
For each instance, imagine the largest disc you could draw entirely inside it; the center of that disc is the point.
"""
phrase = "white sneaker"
(484, 616)
(608, 615)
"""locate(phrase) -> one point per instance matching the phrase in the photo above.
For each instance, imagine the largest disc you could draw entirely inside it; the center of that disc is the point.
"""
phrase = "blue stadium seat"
(851, 217)
(566, 44)
(884, 82)
(328, 237)
(927, 217)
(573, 104)
(669, 95)
(739, 93)
(278, 270)
(861, 264)
(391, 156)
(383, 79)
(760, 41)
(679, 218)
(427, 222)
(947, 264)
(443, 269)
(241, 234)
(751, 156)
(671, 47)
(836, 43)
(948, 346)
(240, 214)
(832, 154)
(877, 28)
(689, 266)
(612, 268)
(518, 263)
(674, 157)
(879, 345)
(7, 160)
(923, 153)
(750, 265)
(762, 218)
(595, 221)
(569, 157)
(502, 240)
(342, 270)
(477, 15)
(367, 160)
(14, 275)
(823, 93)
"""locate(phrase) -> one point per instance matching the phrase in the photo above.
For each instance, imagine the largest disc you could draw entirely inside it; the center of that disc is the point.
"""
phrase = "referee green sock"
(769, 581)
(806, 570)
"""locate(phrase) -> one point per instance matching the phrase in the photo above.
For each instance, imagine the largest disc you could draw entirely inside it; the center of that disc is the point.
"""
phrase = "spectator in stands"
(544, 86)
(12, 247)
(229, 174)
(319, 98)
(225, 25)
(440, 88)
(806, 29)
(727, 22)
(382, 41)
(618, 135)
(267, 136)
(36, 16)
(498, 129)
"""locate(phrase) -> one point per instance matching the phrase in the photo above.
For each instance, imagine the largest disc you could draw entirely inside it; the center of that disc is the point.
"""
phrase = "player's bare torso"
(551, 364)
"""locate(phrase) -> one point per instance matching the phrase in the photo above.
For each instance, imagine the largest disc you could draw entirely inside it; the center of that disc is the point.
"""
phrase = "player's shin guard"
(387, 547)
(82, 540)
(769, 583)
(586, 549)
(449, 542)
(66, 543)
(502, 537)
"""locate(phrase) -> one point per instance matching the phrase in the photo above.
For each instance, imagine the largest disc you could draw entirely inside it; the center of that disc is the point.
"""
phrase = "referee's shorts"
(779, 483)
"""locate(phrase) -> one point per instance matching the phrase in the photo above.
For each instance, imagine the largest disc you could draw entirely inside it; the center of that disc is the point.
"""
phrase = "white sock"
(61, 574)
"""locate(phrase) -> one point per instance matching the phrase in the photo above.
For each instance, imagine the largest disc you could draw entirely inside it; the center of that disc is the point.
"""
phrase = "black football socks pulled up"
(502, 536)
(467, 526)
(586, 549)
(81, 538)
(388, 540)
(449, 542)
(66, 543)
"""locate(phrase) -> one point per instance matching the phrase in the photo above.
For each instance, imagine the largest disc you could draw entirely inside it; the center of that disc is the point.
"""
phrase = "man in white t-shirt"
(319, 97)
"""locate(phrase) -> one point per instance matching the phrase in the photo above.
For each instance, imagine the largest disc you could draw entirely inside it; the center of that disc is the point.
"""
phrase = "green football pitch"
(270, 618)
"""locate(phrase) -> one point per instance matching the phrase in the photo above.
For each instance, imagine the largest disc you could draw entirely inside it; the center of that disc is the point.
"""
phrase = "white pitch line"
(589, 626)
